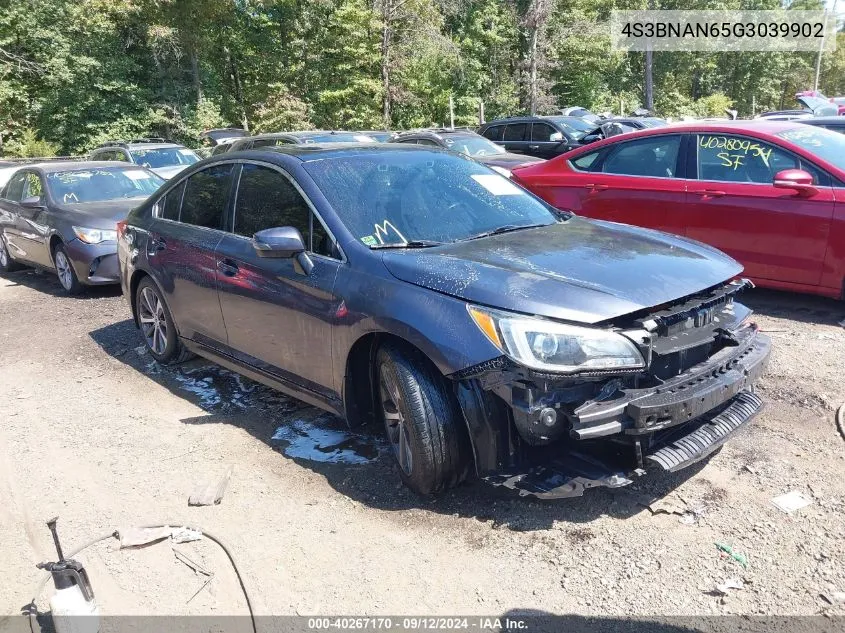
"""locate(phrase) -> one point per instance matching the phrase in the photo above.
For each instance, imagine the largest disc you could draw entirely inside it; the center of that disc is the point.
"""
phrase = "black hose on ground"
(33, 610)
(840, 420)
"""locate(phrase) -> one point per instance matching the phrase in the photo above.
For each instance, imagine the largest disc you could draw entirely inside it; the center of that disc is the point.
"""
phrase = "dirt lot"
(97, 433)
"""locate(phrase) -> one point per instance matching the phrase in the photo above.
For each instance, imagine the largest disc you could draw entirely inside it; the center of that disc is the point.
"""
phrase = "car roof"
(79, 165)
(320, 151)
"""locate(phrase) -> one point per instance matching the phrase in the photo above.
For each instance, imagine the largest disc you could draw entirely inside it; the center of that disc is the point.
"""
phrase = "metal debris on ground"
(204, 585)
(834, 597)
(210, 493)
(183, 558)
(840, 420)
(742, 559)
(731, 583)
(791, 501)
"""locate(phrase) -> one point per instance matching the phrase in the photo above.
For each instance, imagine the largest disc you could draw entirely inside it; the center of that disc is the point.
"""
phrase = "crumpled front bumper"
(683, 398)
(671, 426)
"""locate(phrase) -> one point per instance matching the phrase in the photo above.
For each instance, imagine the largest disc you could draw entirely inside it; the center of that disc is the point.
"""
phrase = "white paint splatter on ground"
(202, 387)
(306, 440)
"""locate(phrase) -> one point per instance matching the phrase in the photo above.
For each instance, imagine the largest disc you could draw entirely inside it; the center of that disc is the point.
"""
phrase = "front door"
(777, 234)
(635, 182)
(278, 314)
(187, 226)
(28, 233)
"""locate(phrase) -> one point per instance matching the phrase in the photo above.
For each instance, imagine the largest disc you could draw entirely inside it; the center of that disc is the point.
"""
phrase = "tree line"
(77, 72)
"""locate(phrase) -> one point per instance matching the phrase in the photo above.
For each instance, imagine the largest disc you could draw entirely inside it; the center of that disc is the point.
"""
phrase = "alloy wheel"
(394, 421)
(153, 321)
(64, 270)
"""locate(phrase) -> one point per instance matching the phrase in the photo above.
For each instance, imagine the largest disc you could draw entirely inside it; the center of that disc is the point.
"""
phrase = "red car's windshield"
(825, 144)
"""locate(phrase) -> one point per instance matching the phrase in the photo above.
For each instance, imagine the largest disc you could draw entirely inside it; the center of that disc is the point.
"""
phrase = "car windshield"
(164, 157)
(97, 185)
(400, 197)
(344, 137)
(472, 145)
(576, 128)
(825, 144)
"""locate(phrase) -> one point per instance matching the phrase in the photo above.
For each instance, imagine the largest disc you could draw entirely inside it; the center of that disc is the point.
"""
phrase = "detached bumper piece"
(701, 442)
(572, 474)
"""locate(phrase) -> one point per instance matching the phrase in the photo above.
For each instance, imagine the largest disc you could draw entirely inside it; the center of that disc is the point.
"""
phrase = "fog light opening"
(548, 416)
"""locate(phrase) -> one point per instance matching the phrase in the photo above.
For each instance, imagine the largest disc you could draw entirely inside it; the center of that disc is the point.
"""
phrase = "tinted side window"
(14, 191)
(542, 132)
(656, 157)
(171, 203)
(430, 143)
(515, 132)
(586, 161)
(206, 193)
(494, 132)
(263, 142)
(736, 159)
(266, 199)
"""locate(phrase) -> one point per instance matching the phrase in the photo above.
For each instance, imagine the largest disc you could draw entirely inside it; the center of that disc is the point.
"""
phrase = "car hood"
(168, 172)
(508, 160)
(580, 270)
(100, 215)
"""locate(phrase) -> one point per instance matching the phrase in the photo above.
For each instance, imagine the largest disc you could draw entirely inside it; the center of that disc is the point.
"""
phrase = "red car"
(770, 194)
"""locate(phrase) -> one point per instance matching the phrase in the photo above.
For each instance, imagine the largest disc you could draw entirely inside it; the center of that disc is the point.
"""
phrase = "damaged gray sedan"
(487, 331)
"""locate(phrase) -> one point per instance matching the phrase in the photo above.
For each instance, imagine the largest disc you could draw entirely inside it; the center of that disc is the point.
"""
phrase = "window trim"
(831, 180)
(292, 180)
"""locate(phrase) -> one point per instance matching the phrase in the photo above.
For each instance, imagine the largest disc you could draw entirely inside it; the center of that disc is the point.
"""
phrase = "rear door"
(278, 316)
(186, 228)
(635, 182)
(775, 233)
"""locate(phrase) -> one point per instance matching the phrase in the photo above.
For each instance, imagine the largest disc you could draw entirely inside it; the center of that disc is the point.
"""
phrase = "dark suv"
(419, 288)
(540, 136)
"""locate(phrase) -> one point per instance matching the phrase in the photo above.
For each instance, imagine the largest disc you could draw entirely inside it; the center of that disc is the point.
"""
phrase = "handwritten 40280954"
(735, 150)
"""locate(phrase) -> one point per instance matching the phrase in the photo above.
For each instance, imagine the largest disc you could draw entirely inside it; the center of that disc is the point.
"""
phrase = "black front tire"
(422, 419)
(7, 264)
(162, 343)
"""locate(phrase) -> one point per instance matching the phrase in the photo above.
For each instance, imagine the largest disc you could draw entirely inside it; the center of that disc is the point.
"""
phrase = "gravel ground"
(97, 433)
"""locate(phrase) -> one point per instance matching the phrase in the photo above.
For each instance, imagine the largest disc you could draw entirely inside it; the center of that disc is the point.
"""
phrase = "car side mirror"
(279, 242)
(557, 137)
(591, 138)
(796, 179)
(33, 202)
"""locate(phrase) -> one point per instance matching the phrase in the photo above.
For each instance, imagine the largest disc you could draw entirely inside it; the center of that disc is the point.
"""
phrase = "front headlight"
(551, 346)
(94, 236)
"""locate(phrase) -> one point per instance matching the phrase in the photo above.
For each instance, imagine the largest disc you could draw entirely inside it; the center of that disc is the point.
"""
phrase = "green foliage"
(77, 72)
(28, 145)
